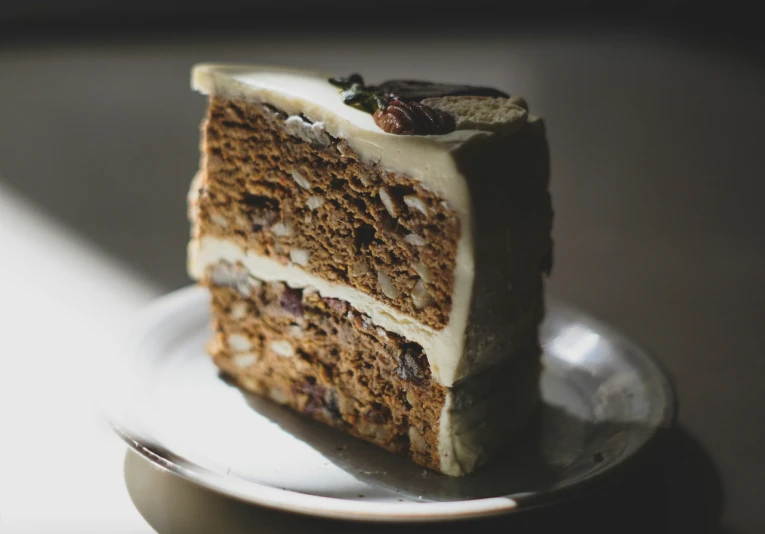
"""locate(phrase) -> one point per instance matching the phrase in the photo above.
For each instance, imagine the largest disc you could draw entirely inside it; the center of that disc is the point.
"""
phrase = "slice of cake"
(375, 254)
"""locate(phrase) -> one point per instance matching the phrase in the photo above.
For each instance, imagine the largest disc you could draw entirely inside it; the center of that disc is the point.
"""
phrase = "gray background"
(657, 183)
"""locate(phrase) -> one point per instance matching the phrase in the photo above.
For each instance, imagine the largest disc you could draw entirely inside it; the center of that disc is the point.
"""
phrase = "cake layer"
(427, 159)
(439, 345)
(325, 359)
(289, 191)
(330, 362)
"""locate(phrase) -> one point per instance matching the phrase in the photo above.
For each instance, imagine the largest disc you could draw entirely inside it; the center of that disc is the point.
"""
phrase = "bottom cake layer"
(326, 360)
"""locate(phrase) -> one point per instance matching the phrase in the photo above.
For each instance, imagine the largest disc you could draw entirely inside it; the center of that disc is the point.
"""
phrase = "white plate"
(604, 399)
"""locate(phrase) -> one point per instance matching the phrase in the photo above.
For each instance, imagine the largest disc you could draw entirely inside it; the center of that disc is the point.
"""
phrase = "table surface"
(658, 189)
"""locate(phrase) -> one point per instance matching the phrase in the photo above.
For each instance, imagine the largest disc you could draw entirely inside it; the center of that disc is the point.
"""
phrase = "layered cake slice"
(376, 254)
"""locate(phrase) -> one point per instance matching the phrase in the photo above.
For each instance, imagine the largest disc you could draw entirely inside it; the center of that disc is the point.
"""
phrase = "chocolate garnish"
(396, 104)
(417, 90)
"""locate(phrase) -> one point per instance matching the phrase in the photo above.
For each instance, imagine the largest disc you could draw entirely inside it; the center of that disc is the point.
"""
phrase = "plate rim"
(286, 500)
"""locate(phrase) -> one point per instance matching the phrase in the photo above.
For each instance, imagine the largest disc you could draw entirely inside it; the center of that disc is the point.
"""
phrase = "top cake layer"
(491, 174)
(427, 159)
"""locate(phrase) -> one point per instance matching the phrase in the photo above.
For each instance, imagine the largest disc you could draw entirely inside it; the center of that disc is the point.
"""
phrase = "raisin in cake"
(376, 254)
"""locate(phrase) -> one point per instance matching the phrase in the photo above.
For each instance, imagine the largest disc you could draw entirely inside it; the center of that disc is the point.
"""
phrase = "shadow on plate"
(560, 451)
(671, 487)
(557, 451)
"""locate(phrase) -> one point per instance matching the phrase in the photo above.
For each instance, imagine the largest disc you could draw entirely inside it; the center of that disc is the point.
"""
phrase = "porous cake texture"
(376, 254)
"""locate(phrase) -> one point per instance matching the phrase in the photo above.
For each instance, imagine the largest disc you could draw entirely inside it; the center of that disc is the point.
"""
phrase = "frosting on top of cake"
(426, 158)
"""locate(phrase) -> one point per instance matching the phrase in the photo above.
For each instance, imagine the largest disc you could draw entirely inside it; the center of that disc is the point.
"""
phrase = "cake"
(376, 254)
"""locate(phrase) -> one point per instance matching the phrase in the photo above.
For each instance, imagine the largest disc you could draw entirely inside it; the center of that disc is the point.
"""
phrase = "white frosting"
(449, 463)
(309, 132)
(483, 414)
(442, 347)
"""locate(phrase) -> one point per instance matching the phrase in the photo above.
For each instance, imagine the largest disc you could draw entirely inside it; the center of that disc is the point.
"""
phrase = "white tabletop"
(64, 304)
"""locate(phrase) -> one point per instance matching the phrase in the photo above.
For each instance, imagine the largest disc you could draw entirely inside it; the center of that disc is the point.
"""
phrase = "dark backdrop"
(656, 118)
(721, 23)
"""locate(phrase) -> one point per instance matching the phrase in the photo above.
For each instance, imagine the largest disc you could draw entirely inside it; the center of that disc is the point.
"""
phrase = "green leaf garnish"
(362, 98)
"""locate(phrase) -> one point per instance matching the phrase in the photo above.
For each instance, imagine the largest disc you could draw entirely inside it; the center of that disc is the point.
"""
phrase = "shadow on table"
(673, 487)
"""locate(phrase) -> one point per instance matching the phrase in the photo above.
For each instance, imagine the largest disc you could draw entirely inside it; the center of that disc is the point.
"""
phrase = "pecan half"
(413, 118)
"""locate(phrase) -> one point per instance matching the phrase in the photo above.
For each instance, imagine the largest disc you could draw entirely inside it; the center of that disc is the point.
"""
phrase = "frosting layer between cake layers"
(442, 347)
